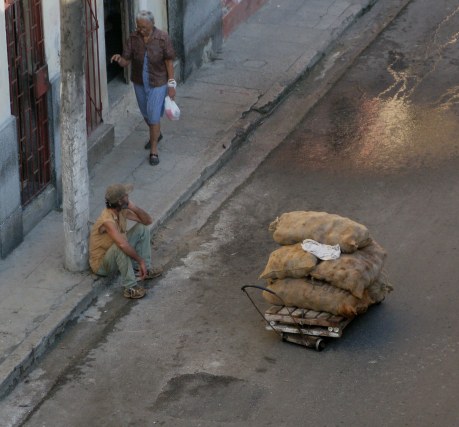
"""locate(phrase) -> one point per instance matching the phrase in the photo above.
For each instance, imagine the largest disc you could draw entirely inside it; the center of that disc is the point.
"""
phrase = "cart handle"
(243, 288)
(262, 288)
(259, 287)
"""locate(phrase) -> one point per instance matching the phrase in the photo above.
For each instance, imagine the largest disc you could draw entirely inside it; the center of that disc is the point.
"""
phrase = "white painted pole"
(75, 176)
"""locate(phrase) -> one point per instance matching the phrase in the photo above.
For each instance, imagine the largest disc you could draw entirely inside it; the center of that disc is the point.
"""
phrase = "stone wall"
(196, 29)
(11, 231)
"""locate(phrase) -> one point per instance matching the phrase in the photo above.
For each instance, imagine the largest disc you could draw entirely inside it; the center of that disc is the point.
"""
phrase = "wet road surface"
(398, 108)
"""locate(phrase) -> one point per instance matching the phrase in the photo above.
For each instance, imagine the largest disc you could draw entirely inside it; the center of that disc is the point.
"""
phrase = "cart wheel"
(320, 344)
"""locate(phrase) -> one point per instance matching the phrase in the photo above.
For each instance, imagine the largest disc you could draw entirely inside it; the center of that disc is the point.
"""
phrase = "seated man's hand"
(142, 270)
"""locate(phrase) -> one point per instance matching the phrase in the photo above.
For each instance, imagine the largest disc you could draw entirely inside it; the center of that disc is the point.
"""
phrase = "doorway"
(113, 36)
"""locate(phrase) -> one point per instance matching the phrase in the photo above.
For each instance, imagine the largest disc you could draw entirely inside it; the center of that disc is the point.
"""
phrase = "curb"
(34, 346)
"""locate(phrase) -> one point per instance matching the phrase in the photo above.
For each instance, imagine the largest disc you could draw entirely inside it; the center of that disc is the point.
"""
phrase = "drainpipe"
(75, 176)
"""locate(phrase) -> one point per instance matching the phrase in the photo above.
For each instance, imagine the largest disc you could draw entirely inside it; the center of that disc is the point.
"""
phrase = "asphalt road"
(381, 148)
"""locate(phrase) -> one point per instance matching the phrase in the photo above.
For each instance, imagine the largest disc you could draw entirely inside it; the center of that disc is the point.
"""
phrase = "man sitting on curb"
(113, 249)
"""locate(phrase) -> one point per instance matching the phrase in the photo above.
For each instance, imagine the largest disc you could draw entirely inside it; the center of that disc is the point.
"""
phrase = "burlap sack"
(353, 272)
(289, 261)
(316, 296)
(330, 229)
(377, 291)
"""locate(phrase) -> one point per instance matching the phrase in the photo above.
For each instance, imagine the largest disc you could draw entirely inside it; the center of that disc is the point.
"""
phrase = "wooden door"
(28, 79)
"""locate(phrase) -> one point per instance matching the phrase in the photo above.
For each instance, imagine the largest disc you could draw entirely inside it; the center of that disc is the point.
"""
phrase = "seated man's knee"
(142, 229)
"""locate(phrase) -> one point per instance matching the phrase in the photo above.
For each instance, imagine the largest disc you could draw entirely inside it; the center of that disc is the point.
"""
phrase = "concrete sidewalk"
(221, 103)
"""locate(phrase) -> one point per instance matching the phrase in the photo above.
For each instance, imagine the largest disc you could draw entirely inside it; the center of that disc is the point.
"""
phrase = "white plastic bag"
(171, 109)
(320, 250)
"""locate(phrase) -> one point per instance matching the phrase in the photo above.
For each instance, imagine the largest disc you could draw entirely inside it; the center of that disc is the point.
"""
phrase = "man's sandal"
(147, 146)
(153, 272)
(154, 159)
(135, 292)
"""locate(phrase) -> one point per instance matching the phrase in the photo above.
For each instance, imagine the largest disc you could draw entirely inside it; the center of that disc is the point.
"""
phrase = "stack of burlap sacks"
(346, 286)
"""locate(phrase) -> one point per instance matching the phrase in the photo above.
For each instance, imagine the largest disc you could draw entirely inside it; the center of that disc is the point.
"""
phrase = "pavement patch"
(208, 397)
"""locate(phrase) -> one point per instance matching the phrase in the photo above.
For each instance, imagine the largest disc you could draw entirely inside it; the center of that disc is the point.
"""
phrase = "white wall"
(159, 10)
(102, 60)
(51, 26)
(51, 30)
(5, 111)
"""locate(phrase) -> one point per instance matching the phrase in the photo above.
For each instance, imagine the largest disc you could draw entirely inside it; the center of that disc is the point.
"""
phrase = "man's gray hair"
(145, 14)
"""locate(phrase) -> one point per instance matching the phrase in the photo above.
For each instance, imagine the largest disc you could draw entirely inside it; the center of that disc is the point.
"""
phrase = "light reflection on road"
(411, 122)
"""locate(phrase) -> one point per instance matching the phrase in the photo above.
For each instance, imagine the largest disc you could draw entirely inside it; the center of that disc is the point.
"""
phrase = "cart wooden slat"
(303, 326)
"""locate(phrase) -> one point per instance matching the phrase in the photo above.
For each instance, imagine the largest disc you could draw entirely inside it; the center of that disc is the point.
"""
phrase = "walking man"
(113, 248)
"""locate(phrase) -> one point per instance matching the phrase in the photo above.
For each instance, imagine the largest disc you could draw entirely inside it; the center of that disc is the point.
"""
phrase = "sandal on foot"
(147, 146)
(153, 272)
(135, 292)
(154, 159)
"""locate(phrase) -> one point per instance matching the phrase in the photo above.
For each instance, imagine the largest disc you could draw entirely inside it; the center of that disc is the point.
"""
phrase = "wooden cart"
(300, 325)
